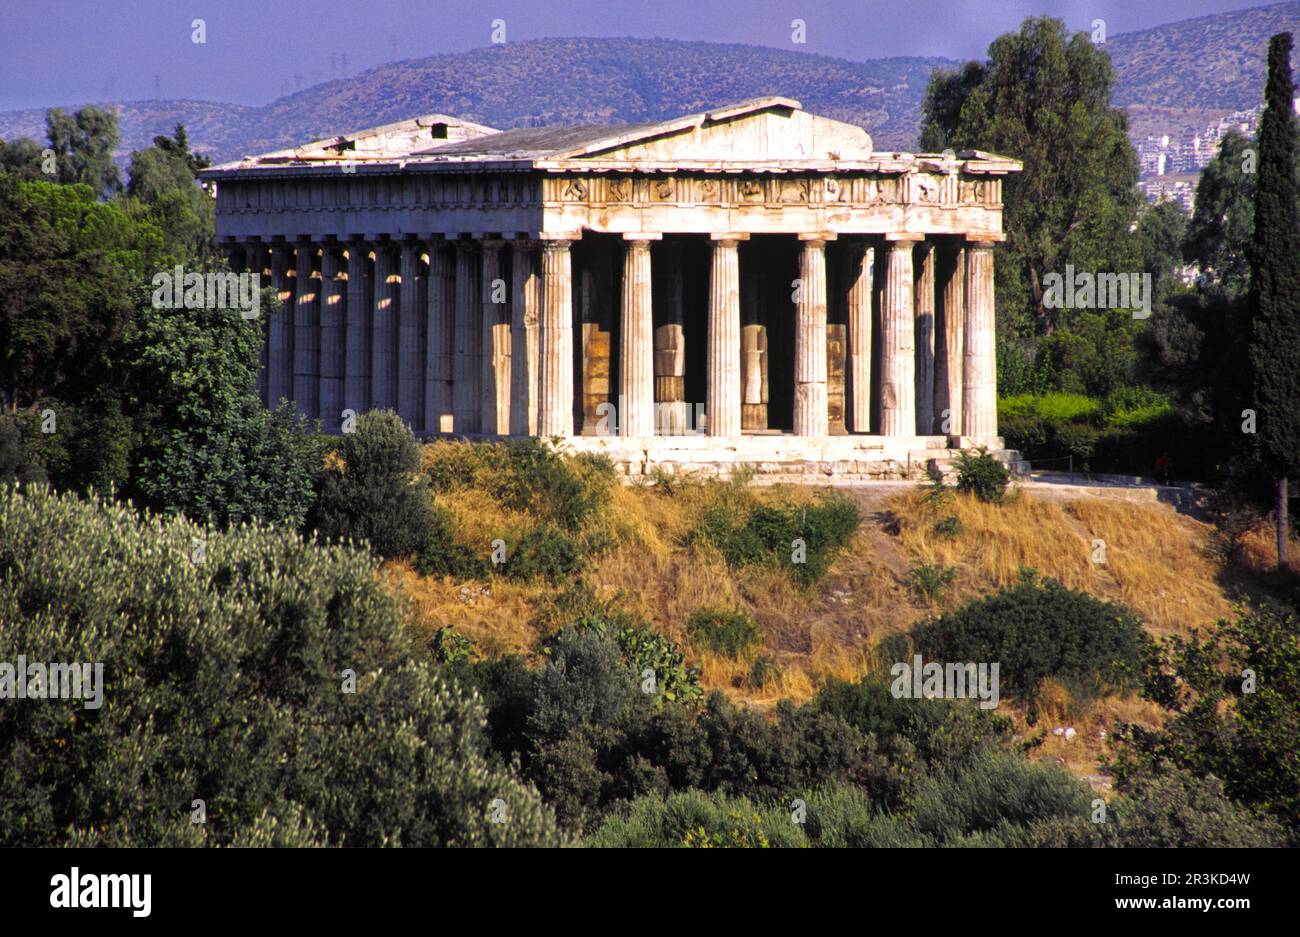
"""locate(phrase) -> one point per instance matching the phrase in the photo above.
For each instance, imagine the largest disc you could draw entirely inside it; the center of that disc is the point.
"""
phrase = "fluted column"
(440, 312)
(306, 333)
(280, 360)
(525, 308)
(722, 400)
(357, 329)
(980, 399)
(255, 263)
(555, 411)
(897, 344)
(860, 259)
(383, 353)
(949, 343)
(410, 349)
(332, 297)
(494, 294)
(810, 417)
(468, 338)
(923, 262)
(636, 348)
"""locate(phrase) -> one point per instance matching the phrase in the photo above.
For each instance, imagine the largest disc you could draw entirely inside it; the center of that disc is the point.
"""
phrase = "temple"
(750, 285)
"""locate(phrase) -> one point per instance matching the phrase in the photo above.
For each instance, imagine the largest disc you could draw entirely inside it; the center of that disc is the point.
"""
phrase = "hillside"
(1208, 62)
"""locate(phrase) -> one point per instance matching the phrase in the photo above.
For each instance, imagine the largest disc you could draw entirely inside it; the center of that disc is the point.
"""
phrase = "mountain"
(1176, 75)
(1214, 61)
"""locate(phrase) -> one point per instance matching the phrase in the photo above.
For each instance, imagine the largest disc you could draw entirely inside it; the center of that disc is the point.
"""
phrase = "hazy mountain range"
(1170, 76)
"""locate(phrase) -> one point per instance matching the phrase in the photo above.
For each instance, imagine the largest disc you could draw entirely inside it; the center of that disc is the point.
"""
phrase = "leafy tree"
(1161, 231)
(208, 447)
(83, 145)
(21, 157)
(1043, 97)
(227, 667)
(1223, 219)
(373, 490)
(1233, 700)
(163, 177)
(1275, 284)
(72, 270)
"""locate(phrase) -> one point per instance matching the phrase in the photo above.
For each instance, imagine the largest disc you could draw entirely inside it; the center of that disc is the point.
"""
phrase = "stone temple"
(751, 285)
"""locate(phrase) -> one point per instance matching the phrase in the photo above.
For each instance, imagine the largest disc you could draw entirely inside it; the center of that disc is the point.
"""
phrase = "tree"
(1043, 97)
(1223, 219)
(21, 157)
(372, 491)
(1275, 284)
(83, 145)
(209, 449)
(271, 678)
(71, 271)
(163, 177)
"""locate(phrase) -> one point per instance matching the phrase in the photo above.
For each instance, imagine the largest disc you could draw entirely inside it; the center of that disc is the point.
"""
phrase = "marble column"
(280, 360)
(923, 263)
(555, 408)
(494, 363)
(897, 343)
(306, 333)
(810, 416)
(979, 393)
(383, 353)
(859, 259)
(467, 333)
(332, 299)
(440, 313)
(722, 400)
(255, 263)
(525, 309)
(357, 329)
(950, 326)
(671, 418)
(636, 396)
(410, 347)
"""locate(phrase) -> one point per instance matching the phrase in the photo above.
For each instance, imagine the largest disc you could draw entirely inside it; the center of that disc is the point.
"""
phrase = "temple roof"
(770, 134)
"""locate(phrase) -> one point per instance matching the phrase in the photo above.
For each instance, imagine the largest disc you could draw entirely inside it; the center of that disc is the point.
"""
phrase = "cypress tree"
(1275, 284)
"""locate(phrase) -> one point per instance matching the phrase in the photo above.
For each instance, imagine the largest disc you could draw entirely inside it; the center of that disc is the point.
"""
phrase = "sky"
(62, 52)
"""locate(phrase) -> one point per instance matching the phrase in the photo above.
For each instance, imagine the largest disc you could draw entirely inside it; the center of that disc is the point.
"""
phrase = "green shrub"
(545, 552)
(983, 475)
(224, 680)
(730, 633)
(449, 646)
(443, 555)
(697, 819)
(372, 492)
(1183, 810)
(802, 539)
(1037, 631)
(930, 580)
(950, 526)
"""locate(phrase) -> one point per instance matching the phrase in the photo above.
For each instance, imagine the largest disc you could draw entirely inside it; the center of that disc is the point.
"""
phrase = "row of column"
(425, 328)
(439, 331)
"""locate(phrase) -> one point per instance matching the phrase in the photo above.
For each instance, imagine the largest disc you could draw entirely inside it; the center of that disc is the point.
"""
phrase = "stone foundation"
(785, 458)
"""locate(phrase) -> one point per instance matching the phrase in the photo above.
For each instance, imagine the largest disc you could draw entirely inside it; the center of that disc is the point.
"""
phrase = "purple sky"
(72, 51)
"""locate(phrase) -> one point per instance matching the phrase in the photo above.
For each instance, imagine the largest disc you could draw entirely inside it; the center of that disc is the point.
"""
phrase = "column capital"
(565, 236)
(903, 240)
(556, 245)
(984, 240)
(642, 236)
(809, 237)
(728, 237)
